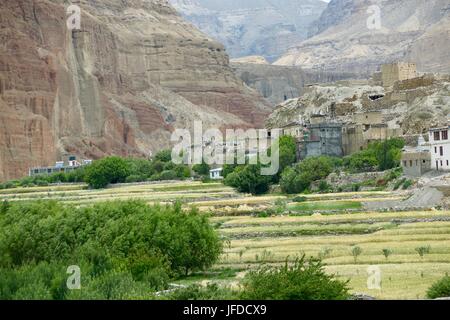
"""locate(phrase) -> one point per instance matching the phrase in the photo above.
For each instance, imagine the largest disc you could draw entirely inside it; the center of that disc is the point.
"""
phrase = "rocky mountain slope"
(253, 27)
(120, 85)
(413, 105)
(279, 83)
(413, 30)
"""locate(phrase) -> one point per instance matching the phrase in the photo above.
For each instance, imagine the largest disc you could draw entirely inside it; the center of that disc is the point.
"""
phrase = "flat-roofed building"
(440, 148)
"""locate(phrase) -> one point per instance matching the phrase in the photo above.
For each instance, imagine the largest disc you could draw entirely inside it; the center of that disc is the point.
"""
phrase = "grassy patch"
(325, 205)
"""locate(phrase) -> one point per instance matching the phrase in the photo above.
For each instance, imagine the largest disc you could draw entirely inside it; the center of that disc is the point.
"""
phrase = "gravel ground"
(426, 197)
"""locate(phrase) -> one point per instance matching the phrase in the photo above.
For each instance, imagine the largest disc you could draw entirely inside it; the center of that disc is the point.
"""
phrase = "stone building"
(365, 128)
(294, 129)
(398, 71)
(416, 161)
(321, 139)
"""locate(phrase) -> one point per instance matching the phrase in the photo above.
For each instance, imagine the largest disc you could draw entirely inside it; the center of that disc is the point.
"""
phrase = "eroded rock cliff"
(120, 85)
(346, 37)
(279, 83)
(253, 27)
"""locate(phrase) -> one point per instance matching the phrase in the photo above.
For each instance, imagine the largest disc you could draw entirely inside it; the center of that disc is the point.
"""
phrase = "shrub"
(140, 167)
(182, 171)
(155, 177)
(249, 179)
(135, 178)
(197, 292)
(227, 169)
(168, 175)
(362, 161)
(201, 169)
(408, 183)
(157, 166)
(381, 155)
(399, 183)
(440, 289)
(169, 166)
(299, 199)
(423, 250)
(105, 171)
(324, 186)
(299, 178)
(164, 155)
(302, 280)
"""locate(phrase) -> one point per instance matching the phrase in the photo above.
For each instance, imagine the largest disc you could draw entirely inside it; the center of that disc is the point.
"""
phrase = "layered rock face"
(346, 36)
(280, 83)
(253, 27)
(120, 85)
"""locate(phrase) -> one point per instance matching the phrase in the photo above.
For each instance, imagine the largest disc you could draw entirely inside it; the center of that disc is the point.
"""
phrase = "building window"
(436, 136)
(404, 163)
(441, 151)
(435, 149)
(445, 135)
(423, 161)
(410, 163)
(441, 163)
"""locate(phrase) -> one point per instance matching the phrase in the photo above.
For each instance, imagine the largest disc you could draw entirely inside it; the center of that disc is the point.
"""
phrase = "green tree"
(249, 179)
(362, 161)
(105, 171)
(182, 171)
(388, 153)
(168, 175)
(130, 241)
(140, 167)
(288, 152)
(439, 289)
(157, 166)
(356, 252)
(201, 169)
(299, 178)
(387, 253)
(164, 155)
(302, 280)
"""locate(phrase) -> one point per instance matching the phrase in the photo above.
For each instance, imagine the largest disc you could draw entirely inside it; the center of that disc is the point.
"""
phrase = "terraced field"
(326, 226)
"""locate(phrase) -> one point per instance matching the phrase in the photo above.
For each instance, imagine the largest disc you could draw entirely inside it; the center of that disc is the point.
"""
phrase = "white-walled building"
(216, 174)
(440, 148)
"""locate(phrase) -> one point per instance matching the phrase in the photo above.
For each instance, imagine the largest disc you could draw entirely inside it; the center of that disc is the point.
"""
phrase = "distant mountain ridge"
(253, 27)
(411, 30)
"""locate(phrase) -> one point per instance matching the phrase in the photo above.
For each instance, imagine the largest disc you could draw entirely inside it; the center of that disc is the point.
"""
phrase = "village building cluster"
(68, 164)
(325, 135)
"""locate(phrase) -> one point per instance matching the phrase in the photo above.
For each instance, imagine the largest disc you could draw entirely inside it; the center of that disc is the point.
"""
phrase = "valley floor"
(273, 229)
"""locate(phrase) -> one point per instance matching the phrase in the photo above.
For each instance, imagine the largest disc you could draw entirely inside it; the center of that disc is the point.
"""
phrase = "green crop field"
(324, 225)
